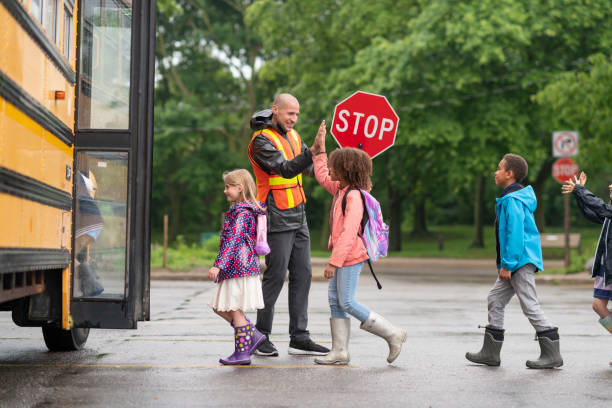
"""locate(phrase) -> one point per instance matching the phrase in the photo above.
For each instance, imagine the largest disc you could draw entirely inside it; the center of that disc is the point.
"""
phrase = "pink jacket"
(346, 246)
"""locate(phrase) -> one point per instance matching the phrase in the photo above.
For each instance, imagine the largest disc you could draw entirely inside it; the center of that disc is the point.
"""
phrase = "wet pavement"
(173, 359)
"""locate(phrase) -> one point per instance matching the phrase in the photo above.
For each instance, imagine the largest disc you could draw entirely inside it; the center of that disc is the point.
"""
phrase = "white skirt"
(238, 294)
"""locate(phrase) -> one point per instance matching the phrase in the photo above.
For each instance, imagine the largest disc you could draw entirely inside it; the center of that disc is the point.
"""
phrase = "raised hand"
(569, 185)
(319, 142)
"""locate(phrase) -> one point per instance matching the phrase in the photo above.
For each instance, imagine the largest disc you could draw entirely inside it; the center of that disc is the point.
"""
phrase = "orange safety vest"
(287, 193)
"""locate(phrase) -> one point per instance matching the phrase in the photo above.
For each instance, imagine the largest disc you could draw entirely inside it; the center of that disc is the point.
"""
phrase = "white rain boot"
(340, 331)
(378, 325)
(606, 322)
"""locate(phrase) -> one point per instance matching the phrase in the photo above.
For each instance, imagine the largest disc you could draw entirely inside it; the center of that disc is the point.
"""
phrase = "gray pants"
(523, 284)
(288, 250)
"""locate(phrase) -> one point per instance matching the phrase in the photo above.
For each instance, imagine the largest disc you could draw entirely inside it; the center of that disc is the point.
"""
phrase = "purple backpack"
(374, 232)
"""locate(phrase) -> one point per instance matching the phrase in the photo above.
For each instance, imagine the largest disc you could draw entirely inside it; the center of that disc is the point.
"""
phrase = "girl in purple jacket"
(236, 268)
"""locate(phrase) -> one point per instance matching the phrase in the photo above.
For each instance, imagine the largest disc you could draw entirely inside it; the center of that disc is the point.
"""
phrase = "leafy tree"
(461, 75)
(206, 91)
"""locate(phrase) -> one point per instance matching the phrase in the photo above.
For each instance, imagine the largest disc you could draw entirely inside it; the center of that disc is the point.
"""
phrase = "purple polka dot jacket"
(237, 257)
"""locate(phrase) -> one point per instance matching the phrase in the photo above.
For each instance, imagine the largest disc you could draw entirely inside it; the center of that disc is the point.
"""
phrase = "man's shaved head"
(285, 111)
(284, 99)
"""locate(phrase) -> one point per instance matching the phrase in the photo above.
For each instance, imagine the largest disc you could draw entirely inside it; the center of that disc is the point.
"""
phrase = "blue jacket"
(519, 239)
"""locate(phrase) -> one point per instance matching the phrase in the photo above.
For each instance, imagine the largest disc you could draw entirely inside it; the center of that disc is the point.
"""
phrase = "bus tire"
(58, 339)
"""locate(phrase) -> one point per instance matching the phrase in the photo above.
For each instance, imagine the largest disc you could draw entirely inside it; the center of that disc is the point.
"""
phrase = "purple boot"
(257, 336)
(242, 351)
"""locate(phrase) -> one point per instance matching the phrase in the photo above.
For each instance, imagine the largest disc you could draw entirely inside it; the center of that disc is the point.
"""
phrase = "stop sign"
(564, 169)
(365, 119)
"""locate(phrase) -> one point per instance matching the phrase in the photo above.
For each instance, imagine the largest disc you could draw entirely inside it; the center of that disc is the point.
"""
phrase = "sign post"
(563, 170)
(365, 121)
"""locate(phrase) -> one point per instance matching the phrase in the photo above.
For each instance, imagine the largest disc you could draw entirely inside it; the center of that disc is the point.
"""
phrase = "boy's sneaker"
(266, 348)
(307, 347)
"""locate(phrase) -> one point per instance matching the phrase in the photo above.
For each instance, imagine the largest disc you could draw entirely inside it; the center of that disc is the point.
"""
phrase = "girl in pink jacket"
(349, 170)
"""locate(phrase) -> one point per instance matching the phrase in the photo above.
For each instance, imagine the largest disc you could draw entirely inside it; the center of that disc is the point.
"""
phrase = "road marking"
(125, 365)
(185, 322)
(200, 340)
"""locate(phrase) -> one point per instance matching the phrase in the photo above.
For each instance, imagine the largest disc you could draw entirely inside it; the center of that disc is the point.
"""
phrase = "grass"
(183, 257)
(456, 244)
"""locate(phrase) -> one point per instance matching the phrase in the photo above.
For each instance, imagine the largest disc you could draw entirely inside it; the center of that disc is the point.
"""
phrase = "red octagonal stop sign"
(564, 169)
(365, 119)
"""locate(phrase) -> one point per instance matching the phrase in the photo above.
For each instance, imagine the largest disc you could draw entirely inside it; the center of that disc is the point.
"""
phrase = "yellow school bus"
(76, 129)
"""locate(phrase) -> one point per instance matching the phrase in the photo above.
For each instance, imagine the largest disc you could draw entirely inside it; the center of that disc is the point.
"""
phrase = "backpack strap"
(365, 217)
(375, 278)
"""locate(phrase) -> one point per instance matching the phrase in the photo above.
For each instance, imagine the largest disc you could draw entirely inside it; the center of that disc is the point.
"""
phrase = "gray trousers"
(288, 250)
(523, 284)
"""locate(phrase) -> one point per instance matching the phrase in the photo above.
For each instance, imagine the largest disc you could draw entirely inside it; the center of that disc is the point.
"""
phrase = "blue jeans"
(341, 293)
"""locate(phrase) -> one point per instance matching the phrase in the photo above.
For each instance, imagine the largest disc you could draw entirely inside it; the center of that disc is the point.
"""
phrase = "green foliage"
(471, 80)
(460, 74)
(583, 101)
(206, 90)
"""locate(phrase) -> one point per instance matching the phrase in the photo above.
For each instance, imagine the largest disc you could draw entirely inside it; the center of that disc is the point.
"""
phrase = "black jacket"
(270, 159)
(596, 210)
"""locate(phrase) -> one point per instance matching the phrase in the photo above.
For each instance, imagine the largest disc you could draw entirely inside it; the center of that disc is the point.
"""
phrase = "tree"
(205, 94)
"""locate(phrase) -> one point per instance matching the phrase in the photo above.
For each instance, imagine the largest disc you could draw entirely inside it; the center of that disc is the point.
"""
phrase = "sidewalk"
(475, 268)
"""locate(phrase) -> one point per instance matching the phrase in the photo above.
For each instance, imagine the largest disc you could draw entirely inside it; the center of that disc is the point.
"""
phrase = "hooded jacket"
(596, 210)
(237, 257)
(263, 152)
(519, 239)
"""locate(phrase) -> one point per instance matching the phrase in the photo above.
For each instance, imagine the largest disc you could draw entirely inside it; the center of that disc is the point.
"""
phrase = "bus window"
(100, 224)
(57, 8)
(36, 10)
(104, 91)
(68, 12)
(49, 13)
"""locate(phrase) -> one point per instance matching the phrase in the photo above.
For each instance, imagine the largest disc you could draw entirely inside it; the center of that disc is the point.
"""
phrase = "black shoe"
(307, 347)
(88, 284)
(266, 348)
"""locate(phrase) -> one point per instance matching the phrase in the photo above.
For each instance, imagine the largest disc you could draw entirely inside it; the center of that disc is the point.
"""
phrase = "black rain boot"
(491, 347)
(550, 356)
(88, 283)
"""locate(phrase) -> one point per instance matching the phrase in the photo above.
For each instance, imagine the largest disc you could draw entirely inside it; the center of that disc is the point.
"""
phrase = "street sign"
(564, 169)
(365, 119)
(565, 143)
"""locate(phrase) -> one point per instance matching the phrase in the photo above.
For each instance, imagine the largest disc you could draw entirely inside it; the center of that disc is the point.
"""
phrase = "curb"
(478, 268)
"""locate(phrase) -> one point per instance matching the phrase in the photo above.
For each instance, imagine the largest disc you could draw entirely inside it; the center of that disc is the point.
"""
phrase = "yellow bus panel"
(28, 224)
(22, 60)
(28, 149)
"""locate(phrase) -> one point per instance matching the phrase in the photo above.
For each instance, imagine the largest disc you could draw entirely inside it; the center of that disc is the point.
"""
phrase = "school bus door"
(113, 163)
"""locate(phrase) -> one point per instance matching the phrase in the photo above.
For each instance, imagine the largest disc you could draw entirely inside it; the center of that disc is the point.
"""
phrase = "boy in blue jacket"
(519, 257)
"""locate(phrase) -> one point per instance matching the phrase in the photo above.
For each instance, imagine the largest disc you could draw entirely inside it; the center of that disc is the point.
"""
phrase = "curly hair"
(352, 166)
(517, 164)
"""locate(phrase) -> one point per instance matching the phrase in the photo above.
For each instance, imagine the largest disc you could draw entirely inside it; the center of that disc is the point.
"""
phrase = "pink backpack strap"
(262, 247)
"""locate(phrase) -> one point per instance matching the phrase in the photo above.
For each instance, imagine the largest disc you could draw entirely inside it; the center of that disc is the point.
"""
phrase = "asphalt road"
(172, 360)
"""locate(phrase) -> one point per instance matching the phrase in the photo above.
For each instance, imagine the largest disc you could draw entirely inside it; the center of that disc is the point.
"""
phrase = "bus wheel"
(57, 339)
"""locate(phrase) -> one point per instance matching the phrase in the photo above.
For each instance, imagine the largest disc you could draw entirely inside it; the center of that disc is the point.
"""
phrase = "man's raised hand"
(319, 143)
